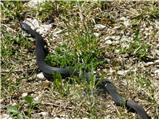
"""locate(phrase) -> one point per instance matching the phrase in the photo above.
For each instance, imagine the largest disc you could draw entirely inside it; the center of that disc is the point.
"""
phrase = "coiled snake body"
(106, 85)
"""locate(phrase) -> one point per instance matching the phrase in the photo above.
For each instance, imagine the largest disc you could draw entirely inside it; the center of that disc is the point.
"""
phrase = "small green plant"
(148, 13)
(153, 12)
(23, 109)
(44, 10)
(59, 85)
(137, 48)
(31, 104)
(143, 82)
(140, 49)
(61, 57)
(146, 85)
(12, 10)
(7, 43)
(83, 53)
(80, 52)
(12, 40)
(15, 111)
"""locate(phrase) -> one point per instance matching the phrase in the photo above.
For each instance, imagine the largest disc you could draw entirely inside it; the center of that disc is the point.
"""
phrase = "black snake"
(107, 86)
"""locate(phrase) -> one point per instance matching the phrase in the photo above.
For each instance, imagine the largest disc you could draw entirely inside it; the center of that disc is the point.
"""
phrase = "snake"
(49, 71)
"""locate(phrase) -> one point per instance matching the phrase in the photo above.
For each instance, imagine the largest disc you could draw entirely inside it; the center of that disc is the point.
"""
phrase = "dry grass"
(135, 53)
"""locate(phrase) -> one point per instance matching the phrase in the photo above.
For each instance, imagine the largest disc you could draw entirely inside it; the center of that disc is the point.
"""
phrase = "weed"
(153, 12)
(149, 12)
(80, 51)
(31, 104)
(10, 49)
(81, 56)
(12, 10)
(146, 85)
(8, 87)
(15, 112)
(23, 109)
(44, 10)
(137, 48)
(11, 41)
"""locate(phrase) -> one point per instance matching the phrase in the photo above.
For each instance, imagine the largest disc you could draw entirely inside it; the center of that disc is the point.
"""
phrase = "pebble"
(112, 38)
(24, 94)
(2, 106)
(99, 26)
(124, 38)
(108, 42)
(36, 99)
(35, 3)
(97, 34)
(156, 24)
(126, 21)
(5, 116)
(40, 76)
(43, 29)
(35, 24)
(44, 114)
(122, 72)
(107, 117)
(124, 45)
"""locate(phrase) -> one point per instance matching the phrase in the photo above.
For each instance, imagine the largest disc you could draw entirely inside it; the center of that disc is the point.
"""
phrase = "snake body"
(41, 53)
(107, 86)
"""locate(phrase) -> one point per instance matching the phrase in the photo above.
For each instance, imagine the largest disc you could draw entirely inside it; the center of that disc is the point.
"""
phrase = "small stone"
(33, 23)
(156, 24)
(107, 38)
(40, 76)
(122, 72)
(97, 34)
(2, 106)
(108, 42)
(43, 29)
(107, 117)
(126, 21)
(111, 70)
(124, 45)
(124, 38)
(36, 99)
(149, 63)
(1, 100)
(112, 38)
(117, 51)
(5, 116)
(14, 104)
(99, 26)
(115, 37)
(44, 114)
(35, 3)
(24, 94)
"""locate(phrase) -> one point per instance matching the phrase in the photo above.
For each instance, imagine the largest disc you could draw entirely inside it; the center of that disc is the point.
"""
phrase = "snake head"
(25, 27)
